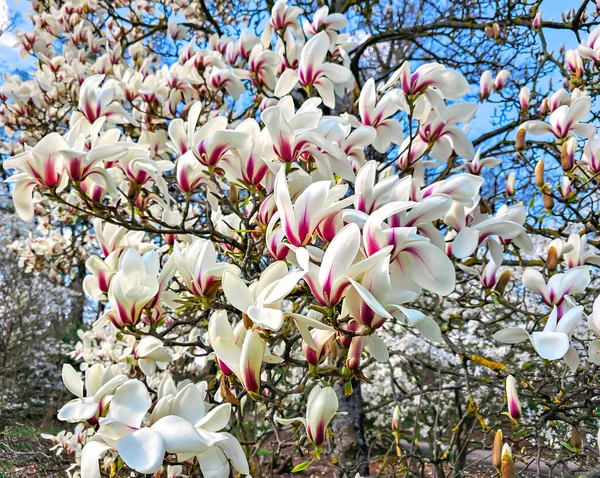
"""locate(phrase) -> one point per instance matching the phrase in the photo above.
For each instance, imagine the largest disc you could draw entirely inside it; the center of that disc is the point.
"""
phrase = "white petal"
(89, 458)
(265, 318)
(550, 345)
(216, 419)
(143, 450)
(72, 380)
(130, 403)
(179, 436)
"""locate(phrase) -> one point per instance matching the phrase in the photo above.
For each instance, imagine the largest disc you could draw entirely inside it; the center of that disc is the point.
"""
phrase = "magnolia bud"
(552, 259)
(355, 352)
(539, 173)
(396, 419)
(567, 154)
(512, 399)
(503, 282)
(321, 407)
(520, 142)
(251, 357)
(536, 24)
(507, 469)
(497, 452)
(233, 194)
(548, 199)
(510, 184)
(497, 33)
(576, 441)
(489, 32)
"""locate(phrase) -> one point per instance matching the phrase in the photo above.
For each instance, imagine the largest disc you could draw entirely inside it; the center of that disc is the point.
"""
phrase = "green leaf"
(567, 446)
(264, 451)
(301, 466)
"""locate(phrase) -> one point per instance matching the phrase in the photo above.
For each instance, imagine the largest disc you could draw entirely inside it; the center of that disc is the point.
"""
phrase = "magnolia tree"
(301, 256)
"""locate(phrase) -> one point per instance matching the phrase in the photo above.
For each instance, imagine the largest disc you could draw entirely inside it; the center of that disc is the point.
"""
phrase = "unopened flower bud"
(567, 154)
(512, 399)
(539, 173)
(503, 282)
(552, 259)
(510, 184)
(520, 142)
(548, 199)
(489, 32)
(497, 33)
(497, 451)
(396, 419)
(536, 24)
(508, 466)
(576, 440)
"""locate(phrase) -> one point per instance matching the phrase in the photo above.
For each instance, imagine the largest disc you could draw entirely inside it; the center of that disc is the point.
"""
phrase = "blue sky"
(9, 58)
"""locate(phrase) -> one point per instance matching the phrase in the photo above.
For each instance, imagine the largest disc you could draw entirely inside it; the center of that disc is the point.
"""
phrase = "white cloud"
(7, 38)
(4, 16)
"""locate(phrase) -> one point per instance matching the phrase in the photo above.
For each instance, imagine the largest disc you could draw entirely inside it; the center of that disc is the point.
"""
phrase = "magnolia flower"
(211, 142)
(317, 349)
(450, 83)
(329, 281)
(245, 361)
(97, 284)
(591, 50)
(330, 23)
(321, 407)
(136, 285)
(179, 425)
(372, 193)
(93, 397)
(565, 121)
(199, 268)
(594, 325)
(559, 286)
(148, 352)
(470, 237)
(553, 342)
(313, 71)
(374, 299)
(574, 63)
(440, 135)
(378, 115)
(95, 102)
(282, 17)
(416, 262)
(576, 256)
(41, 166)
(514, 405)
(591, 155)
(476, 165)
(318, 201)
(262, 300)
(295, 137)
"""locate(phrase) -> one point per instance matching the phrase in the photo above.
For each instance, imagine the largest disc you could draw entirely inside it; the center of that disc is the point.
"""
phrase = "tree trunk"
(350, 445)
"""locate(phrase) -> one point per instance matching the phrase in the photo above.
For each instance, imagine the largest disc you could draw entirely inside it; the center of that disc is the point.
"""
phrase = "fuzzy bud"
(508, 466)
(576, 440)
(520, 142)
(497, 452)
(552, 259)
(503, 282)
(539, 173)
(548, 199)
